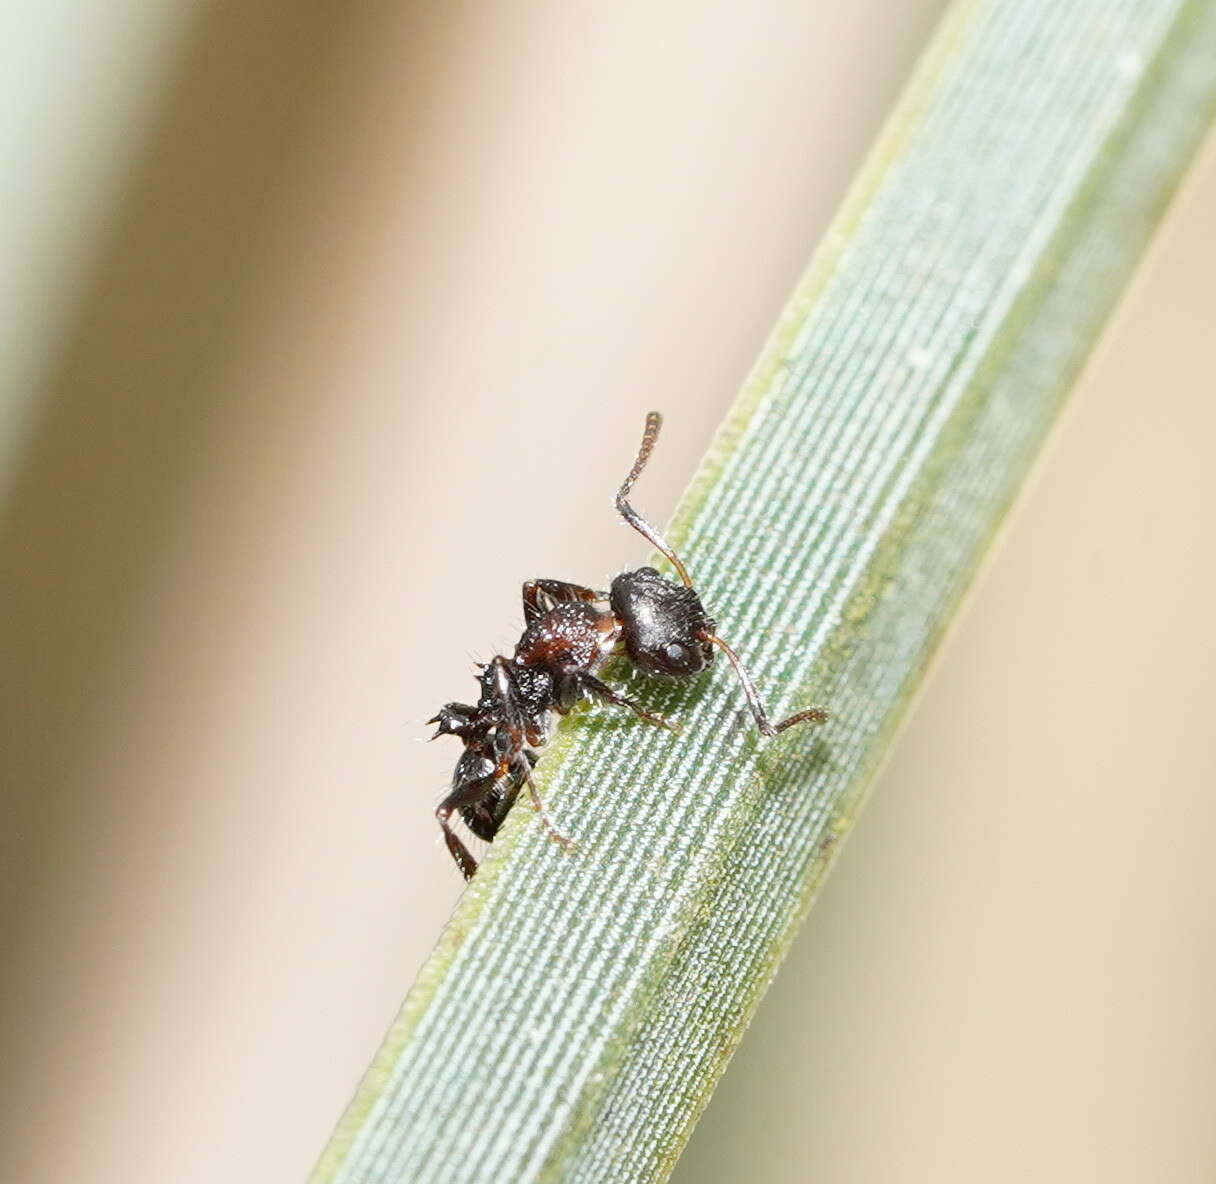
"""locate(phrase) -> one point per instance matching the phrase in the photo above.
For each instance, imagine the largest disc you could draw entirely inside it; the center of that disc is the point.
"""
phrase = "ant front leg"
(596, 689)
(554, 592)
(764, 725)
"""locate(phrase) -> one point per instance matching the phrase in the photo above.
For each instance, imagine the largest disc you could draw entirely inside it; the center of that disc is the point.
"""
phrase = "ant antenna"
(767, 728)
(654, 421)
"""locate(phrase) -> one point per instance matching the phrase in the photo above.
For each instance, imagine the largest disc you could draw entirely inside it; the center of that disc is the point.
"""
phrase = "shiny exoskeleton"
(570, 632)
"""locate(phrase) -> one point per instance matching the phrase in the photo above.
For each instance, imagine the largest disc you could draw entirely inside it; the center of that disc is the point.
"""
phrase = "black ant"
(660, 625)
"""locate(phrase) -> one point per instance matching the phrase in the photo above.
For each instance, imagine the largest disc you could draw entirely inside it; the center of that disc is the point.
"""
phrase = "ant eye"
(676, 652)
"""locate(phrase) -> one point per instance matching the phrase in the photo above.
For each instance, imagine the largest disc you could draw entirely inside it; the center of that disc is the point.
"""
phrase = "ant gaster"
(569, 634)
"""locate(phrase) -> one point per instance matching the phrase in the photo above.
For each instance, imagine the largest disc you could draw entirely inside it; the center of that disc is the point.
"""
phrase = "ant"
(661, 626)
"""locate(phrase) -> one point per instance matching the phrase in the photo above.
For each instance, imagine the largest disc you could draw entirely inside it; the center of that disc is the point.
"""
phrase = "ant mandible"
(661, 626)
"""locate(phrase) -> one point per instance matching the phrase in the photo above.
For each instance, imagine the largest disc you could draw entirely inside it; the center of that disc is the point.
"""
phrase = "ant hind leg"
(550, 826)
(456, 848)
(464, 793)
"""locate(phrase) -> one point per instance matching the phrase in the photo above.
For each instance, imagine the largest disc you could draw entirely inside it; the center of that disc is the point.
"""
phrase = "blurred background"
(325, 325)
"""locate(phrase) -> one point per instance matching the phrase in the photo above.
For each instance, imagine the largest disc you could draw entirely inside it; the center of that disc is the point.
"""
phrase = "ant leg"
(555, 592)
(556, 835)
(513, 750)
(605, 694)
(511, 722)
(767, 728)
(459, 852)
(462, 795)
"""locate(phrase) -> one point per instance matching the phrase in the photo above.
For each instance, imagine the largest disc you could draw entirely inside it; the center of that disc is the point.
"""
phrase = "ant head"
(664, 624)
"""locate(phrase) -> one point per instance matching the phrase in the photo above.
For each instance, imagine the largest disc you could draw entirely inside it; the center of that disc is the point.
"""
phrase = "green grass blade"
(578, 1010)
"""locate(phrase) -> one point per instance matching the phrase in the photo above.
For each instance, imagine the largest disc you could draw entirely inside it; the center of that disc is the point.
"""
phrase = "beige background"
(360, 343)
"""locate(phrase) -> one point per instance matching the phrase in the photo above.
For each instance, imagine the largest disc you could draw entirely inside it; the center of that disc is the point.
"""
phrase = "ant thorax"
(570, 636)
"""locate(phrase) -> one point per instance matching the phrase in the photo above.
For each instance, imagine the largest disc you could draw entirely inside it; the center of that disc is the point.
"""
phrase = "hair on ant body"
(569, 633)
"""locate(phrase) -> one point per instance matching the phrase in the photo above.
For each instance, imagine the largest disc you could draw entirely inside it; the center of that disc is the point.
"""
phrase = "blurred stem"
(579, 1009)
